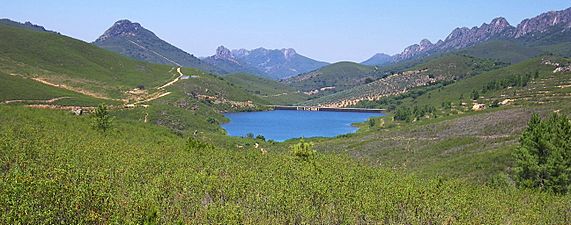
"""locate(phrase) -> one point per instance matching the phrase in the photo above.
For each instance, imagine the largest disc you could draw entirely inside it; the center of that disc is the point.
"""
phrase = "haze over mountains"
(543, 26)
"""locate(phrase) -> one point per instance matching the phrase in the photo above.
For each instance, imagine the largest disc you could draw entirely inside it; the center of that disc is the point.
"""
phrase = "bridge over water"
(319, 108)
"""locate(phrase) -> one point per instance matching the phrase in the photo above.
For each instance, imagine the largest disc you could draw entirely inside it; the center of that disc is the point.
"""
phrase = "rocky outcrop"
(122, 28)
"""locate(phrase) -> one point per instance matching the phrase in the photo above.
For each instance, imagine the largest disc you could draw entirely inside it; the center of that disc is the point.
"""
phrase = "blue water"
(280, 125)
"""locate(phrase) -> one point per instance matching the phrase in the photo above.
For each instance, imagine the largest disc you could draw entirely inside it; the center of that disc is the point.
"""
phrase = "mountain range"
(272, 63)
(133, 40)
(540, 27)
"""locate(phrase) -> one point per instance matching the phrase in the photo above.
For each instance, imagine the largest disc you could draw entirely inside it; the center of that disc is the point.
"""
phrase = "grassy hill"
(444, 68)
(269, 90)
(63, 60)
(139, 173)
(341, 75)
(504, 51)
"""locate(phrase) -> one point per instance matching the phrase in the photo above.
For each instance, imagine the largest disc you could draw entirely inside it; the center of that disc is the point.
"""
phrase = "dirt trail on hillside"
(34, 100)
(180, 75)
(47, 104)
(77, 90)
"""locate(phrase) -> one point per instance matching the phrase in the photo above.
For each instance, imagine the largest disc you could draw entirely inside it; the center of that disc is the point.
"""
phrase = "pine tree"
(543, 159)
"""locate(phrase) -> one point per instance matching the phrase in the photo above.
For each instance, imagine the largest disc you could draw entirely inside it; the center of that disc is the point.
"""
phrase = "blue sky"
(328, 30)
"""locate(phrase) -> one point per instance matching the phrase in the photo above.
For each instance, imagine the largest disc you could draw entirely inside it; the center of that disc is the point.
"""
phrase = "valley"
(131, 129)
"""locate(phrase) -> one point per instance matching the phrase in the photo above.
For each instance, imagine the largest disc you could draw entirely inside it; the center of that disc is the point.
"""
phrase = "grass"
(56, 169)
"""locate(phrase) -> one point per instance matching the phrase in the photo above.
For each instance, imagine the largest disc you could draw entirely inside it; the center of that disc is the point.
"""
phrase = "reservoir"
(280, 125)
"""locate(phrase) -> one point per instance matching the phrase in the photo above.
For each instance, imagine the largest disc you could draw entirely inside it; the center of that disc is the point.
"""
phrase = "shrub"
(303, 150)
(101, 119)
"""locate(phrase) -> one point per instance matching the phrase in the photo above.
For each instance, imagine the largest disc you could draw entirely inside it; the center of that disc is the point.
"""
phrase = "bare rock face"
(223, 53)
(544, 22)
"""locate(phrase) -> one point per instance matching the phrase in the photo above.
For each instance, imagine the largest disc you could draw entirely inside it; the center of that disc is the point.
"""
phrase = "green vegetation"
(269, 90)
(82, 66)
(303, 150)
(341, 75)
(434, 159)
(543, 160)
(101, 118)
(19, 88)
(54, 169)
(435, 71)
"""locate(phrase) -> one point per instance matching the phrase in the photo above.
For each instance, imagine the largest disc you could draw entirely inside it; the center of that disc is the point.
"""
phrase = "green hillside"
(63, 60)
(445, 68)
(341, 75)
(444, 136)
(85, 75)
(141, 173)
(504, 51)
(270, 90)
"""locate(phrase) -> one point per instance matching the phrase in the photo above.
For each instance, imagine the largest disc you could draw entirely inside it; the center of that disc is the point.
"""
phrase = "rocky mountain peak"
(121, 28)
(289, 53)
(223, 53)
(240, 52)
(425, 44)
(500, 22)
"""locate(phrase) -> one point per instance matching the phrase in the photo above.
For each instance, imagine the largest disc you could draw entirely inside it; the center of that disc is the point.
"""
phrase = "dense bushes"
(54, 169)
(544, 156)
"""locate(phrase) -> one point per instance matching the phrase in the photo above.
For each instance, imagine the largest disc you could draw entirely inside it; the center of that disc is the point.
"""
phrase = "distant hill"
(133, 40)
(270, 90)
(334, 77)
(271, 63)
(445, 68)
(378, 60)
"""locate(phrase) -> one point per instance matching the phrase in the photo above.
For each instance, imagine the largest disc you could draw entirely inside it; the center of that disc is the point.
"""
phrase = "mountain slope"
(26, 25)
(67, 62)
(445, 68)
(133, 40)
